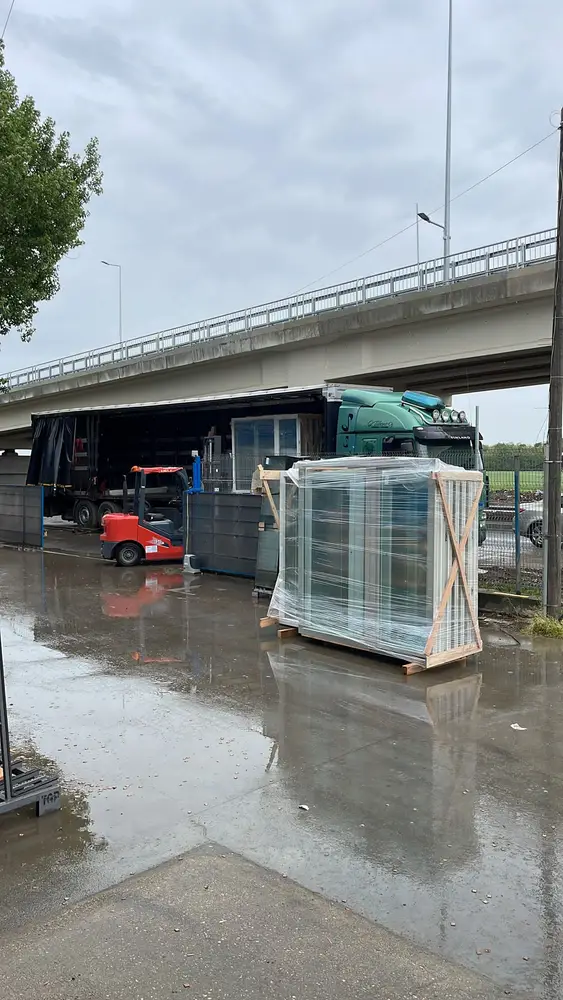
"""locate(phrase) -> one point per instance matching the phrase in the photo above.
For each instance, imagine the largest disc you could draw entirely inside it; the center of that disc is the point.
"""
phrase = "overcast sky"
(251, 147)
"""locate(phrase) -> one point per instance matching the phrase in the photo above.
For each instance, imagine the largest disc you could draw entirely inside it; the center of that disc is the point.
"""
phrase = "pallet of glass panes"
(381, 555)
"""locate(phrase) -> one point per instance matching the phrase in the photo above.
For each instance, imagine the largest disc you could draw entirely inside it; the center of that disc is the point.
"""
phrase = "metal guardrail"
(510, 254)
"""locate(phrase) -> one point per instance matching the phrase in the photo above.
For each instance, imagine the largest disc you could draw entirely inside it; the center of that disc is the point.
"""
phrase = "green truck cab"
(417, 424)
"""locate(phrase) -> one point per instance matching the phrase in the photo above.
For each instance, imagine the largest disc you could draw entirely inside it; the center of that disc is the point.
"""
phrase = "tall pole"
(555, 419)
(120, 309)
(477, 442)
(447, 184)
(119, 299)
(545, 519)
(417, 220)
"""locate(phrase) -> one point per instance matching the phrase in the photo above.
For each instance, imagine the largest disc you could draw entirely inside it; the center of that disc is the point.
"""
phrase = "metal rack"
(20, 787)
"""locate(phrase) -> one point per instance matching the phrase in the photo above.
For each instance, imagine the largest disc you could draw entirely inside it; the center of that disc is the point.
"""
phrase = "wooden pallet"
(283, 631)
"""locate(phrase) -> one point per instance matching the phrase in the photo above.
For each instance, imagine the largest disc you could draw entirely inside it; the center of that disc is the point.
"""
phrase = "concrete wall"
(13, 469)
(21, 515)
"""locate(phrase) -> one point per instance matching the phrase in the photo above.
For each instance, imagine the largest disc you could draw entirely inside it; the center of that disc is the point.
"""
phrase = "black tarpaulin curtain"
(52, 451)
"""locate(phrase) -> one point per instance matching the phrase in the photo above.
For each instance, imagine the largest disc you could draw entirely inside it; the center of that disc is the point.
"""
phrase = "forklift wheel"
(129, 554)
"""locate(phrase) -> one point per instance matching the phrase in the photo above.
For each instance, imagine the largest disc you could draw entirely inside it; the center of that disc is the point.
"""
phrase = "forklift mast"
(139, 499)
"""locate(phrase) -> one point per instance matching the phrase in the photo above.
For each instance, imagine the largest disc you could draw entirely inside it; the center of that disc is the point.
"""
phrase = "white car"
(531, 521)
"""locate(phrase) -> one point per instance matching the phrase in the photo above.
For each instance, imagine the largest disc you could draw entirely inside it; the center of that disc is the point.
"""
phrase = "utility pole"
(447, 179)
(552, 538)
(119, 297)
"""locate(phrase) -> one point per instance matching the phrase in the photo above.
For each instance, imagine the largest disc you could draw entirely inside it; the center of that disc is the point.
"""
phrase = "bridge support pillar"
(445, 396)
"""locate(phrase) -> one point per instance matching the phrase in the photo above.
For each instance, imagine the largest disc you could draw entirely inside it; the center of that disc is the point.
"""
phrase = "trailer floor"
(176, 728)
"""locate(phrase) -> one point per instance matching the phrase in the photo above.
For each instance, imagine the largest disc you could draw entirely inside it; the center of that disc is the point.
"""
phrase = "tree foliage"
(500, 457)
(44, 194)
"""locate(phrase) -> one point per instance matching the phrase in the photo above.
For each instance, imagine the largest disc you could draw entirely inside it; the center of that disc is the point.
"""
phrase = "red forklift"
(144, 534)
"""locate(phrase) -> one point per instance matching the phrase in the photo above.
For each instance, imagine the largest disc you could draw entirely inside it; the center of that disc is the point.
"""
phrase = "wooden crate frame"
(457, 568)
(458, 546)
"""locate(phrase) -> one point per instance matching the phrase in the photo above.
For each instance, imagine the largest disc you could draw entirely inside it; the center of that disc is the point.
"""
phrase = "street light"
(426, 218)
(431, 222)
(118, 266)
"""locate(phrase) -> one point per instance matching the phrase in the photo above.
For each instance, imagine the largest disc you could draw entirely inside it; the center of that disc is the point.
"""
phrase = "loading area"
(184, 739)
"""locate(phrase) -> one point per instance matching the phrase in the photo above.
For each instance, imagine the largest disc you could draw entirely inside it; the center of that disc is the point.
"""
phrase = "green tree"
(500, 457)
(44, 194)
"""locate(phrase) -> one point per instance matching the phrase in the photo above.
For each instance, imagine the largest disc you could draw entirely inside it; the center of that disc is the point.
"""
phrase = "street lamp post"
(446, 228)
(118, 266)
(431, 222)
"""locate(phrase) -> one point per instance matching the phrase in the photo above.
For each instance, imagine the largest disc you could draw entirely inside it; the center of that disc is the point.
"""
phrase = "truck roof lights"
(423, 399)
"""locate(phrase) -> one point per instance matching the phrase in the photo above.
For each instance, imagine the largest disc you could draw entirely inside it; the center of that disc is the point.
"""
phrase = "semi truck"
(81, 457)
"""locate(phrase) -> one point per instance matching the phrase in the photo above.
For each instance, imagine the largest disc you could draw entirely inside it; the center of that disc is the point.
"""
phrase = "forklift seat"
(166, 528)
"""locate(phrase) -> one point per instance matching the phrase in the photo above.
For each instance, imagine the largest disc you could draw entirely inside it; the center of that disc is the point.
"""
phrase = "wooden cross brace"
(268, 492)
(458, 546)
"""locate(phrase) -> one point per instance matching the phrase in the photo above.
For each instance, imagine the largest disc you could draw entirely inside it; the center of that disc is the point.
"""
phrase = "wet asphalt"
(175, 723)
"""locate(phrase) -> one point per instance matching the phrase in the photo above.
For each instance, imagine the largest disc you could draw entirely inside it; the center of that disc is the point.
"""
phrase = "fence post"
(24, 515)
(190, 561)
(42, 516)
(517, 545)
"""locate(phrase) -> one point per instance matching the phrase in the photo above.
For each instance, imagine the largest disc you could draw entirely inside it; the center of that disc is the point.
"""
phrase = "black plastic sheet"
(52, 452)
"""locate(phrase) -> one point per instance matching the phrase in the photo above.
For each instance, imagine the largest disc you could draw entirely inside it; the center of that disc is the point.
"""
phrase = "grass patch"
(544, 625)
(529, 481)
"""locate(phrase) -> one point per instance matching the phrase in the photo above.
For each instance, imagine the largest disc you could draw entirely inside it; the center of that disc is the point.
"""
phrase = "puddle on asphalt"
(172, 722)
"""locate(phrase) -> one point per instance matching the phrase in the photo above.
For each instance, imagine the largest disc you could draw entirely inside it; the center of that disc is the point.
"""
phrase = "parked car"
(531, 521)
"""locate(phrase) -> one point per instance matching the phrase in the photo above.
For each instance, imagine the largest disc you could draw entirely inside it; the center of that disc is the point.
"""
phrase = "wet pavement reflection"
(172, 721)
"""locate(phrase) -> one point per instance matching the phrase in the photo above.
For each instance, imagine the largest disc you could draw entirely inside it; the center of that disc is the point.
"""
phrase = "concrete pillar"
(445, 396)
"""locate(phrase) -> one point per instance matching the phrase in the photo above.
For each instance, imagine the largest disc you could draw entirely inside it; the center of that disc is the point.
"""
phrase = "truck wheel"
(107, 507)
(129, 554)
(86, 515)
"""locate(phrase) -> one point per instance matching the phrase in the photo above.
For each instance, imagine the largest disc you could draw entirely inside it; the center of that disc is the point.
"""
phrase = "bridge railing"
(515, 253)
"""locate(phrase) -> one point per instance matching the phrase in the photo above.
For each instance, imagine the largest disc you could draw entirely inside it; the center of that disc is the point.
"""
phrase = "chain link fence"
(512, 556)
(224, 474)
(511, 550)
(234, 474)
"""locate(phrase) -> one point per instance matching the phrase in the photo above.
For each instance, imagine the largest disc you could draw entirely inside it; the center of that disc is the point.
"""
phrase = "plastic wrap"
(381, 554)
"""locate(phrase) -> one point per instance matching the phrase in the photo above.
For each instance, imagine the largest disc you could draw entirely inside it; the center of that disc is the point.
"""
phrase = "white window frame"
(266, 416)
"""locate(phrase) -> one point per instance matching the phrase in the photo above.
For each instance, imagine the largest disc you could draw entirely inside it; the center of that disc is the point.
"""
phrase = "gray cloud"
(250, 146)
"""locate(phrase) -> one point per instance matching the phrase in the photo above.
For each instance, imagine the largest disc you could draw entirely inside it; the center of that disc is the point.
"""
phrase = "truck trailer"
(80, 457)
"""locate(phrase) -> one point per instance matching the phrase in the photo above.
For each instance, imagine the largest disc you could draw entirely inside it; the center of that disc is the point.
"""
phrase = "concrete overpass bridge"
(488, 327)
